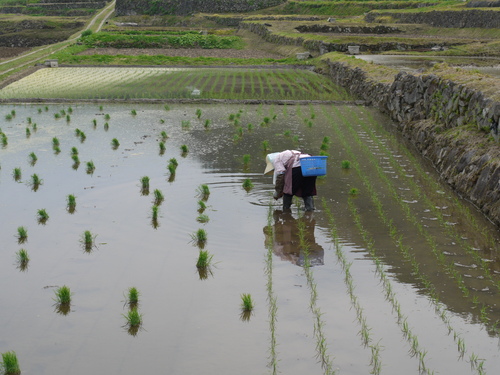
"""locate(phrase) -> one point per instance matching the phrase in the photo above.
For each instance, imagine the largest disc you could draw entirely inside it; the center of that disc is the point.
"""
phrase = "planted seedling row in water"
(10, 364)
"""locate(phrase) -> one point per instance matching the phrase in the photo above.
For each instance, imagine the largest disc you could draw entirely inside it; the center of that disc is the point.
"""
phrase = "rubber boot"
(309, 203)
(287, 201)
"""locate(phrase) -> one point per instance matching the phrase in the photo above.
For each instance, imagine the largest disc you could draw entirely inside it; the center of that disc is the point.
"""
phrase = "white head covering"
(270, 162)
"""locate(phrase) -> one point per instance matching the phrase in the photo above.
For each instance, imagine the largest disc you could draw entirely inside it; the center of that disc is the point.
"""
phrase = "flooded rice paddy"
(392, 274)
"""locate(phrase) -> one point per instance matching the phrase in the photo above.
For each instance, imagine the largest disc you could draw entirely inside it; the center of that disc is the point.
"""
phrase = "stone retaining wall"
(423, 107)
(185, 7)
(465, 18)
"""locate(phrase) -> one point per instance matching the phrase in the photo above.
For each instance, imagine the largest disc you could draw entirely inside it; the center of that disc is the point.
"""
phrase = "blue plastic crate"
(313, 166)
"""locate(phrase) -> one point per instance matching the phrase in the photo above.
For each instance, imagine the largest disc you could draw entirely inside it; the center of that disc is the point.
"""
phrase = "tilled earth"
(7, 52)
(185, 52)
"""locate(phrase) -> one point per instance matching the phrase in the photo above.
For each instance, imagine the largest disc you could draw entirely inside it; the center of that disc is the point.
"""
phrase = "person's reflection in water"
(286, 240)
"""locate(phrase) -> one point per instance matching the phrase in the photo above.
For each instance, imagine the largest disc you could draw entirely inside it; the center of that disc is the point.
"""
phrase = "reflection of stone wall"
(184, 7)
(425, 106)
(464, 18)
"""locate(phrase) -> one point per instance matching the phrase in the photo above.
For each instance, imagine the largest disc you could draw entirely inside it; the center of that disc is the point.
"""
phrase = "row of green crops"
(161, 83)
(112, 40)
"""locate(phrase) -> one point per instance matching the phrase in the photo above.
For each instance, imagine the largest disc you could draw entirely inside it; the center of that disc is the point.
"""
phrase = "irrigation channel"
(392, 274)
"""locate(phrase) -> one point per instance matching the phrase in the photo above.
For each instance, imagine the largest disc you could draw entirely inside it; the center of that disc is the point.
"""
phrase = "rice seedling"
(68, 118)
(203, 191)
(354, 192)
(39, 110)
(55, 142)
(198, 113)
(174, 162)
(185, 124)
(287, 133)
(35, 182)
(101, 108)
(63, 295)
(71, 203)
(8, 117)
(28, 132)
(207, 124)
(162, 121)
(250, 127)
(246, 159)
(266, 120)
(83, 137)
(76, 161)
(43, 216)
(133, 318)
(202, 218)
(88, 240)
(144, 185)
(115, 144)
(22, 258)
(200, 238)
(184, 149)
(13, 113)
(346, 164)
(90, 167)
(204, 259)
(158, 197)
(10, 364)
(46, 109)
(16, 174)
(106, 126)
(309, 124)
(166, 107)
(78, 132)
(247, 184)
(247, 303)
(33, 158)
(201, 206)
(74, 151)
(171, 168)
(34, 127)
(231, 117)
(70, 110)
(164, 135)
(57, 116)
(62, 112)
(162, 147)
(107, 117)
(133, 112)
(5, 140)
(155, 210)
(265, 146)
(133, 297)
(57, 150)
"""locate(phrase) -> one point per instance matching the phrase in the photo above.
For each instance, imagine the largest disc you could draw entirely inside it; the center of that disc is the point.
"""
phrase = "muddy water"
(193, 325)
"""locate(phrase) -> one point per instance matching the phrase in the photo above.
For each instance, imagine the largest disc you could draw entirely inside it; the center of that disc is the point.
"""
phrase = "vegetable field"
(160, 83)
(144, 238)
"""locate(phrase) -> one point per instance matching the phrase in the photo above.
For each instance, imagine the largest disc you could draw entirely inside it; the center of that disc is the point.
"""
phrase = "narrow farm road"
(10, 65)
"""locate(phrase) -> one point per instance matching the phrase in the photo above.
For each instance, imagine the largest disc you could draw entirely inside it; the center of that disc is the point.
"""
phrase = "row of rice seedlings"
(402, 320)
(321, 344)
(364, 332)
(440, 256)
(408, 256)
(81, 135)
(457, 237)
(271, 295)
(10, 364)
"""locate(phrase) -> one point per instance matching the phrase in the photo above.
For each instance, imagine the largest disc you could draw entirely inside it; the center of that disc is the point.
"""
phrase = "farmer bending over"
(288, 180)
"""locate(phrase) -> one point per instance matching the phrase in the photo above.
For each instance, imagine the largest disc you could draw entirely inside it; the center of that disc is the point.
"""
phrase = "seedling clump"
(90, 167)
(198, 113)
(55, 142)
(71, 203)
(154, 216)
(133, 112)
(354, 192)
(115, 144)
(159, 198)
(201, 206)
(16, 174)
(145, 185)
(43, 216)
(247, 184)
(202, 218)
(35, 182)
(207, 124)
(162, 147)
(10, 364)
(247, 306)
(203, 191)
(63, 295)
(200, 238)
(28, 132)
(134, 319)
(184, 149)
(133, 297)
(346, 164)
(88, 240)
(23, 259)
(164, 135)
(33, 158)
(203, 264)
